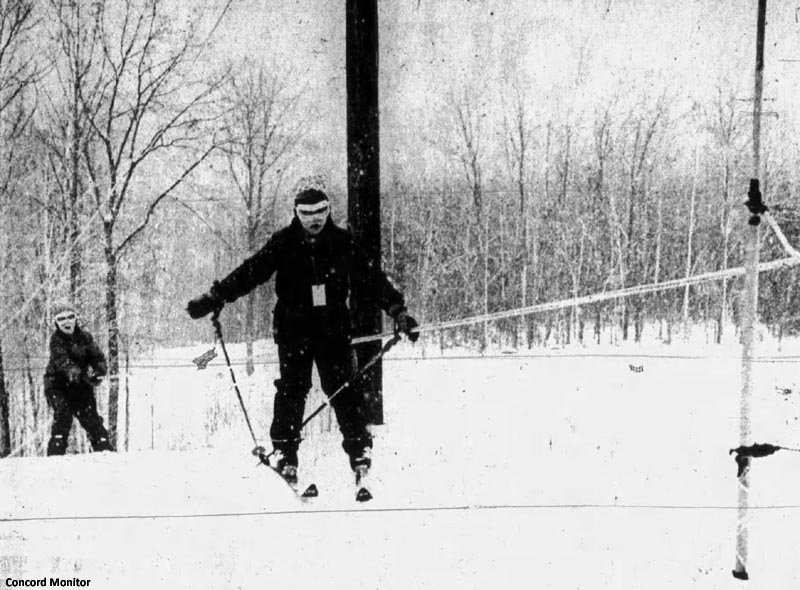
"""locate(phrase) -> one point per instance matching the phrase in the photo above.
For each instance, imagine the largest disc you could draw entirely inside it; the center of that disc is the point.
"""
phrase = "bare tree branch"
(157, 200)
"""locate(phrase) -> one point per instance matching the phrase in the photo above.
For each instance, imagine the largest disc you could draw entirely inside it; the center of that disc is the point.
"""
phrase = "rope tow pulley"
(745, 453)
(754, 202)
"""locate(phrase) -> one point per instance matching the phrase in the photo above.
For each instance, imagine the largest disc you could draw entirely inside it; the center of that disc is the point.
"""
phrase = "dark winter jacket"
(71, 356)
(333, 259)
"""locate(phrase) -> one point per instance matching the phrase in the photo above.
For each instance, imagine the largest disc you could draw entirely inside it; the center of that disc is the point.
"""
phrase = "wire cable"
(403, 509)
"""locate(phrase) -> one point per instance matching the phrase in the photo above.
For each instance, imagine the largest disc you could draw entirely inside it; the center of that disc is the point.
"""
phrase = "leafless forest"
(140, 162)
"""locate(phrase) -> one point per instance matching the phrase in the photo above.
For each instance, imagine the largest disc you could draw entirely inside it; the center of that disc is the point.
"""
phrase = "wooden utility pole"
(363, 177)
(750, 304)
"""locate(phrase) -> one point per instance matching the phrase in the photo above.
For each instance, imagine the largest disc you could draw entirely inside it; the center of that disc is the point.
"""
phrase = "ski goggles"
(307, 211)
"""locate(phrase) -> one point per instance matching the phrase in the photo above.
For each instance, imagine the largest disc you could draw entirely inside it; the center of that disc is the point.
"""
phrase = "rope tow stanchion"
(756, 207)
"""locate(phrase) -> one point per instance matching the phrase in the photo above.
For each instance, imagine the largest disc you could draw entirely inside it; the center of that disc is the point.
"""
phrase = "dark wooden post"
(363, 175)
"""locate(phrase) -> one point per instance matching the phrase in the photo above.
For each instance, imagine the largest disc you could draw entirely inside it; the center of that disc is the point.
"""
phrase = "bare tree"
(67, 131)
(18, 66)
(643, 127)
(518, 146)
(607, 222)
(689, 243)
(727, 132)
(468, 131)
(147, 112)
(261, 130)
(19, 70)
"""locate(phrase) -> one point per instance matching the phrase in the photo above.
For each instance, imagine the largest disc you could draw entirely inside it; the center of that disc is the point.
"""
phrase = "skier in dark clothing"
(316, 266)
(76, 366)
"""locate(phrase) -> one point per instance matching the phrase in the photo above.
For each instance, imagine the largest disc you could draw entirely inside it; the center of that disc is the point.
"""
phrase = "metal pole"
(750, 304)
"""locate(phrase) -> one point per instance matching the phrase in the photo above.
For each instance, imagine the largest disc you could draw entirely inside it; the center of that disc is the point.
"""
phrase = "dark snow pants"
(335, 362)
(74, 401)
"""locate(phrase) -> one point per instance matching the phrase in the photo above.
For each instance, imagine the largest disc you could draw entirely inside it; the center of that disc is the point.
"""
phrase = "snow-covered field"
(579, 468)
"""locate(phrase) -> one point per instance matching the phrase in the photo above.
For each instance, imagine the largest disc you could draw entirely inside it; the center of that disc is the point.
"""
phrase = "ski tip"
(363, 495)
(310, 492)
(741, 574)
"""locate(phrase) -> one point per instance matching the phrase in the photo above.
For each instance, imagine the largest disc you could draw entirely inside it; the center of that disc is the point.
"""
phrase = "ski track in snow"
(543, 471)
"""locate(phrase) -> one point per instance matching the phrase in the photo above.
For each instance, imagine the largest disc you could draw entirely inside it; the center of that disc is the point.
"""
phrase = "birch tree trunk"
(112, 330)
(689, 242)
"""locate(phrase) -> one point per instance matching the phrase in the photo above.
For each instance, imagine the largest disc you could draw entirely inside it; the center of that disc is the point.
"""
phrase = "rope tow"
(786, 262)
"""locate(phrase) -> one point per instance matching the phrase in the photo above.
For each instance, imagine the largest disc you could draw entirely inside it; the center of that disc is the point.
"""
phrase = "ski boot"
(361, 465)
(289, 473)
(282, 463)
(102, 444)
(57, 445)
(286, 468)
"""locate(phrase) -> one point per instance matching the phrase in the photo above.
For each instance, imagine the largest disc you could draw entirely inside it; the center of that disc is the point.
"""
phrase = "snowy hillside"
(559, 469)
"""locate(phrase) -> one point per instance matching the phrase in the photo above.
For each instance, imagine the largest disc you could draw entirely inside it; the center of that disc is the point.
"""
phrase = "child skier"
(76, 366)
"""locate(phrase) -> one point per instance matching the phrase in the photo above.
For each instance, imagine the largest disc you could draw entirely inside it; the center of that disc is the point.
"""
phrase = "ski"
(288, 477)
(310, 492)
(306, 494)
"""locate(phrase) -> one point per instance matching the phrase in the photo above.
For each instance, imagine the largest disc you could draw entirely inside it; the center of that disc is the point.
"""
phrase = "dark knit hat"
(310, 196)
(62, 306)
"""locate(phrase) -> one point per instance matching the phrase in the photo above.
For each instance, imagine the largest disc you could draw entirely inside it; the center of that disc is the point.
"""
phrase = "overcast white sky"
(426, 47)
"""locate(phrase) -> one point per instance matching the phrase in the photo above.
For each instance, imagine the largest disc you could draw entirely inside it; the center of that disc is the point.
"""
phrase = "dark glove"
(204, 305)
(91, 378)
(406, 324)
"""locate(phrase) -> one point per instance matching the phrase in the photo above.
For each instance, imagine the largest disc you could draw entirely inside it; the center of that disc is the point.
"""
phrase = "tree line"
(137, 166)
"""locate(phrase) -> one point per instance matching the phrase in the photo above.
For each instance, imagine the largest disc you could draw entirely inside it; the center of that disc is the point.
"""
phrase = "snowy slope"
(557, 470)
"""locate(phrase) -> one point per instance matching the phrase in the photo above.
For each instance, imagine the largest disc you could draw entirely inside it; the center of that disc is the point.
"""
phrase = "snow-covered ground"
(579, 468)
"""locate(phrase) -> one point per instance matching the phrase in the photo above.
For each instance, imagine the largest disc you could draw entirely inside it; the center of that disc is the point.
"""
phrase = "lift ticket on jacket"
(318, 295)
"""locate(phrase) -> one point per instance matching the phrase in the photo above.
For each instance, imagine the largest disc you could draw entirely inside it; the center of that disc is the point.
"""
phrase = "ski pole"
(258, 450)
(384, 349)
